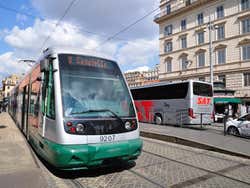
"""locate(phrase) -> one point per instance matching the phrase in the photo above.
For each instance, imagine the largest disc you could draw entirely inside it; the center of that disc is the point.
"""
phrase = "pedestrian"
(4, 107)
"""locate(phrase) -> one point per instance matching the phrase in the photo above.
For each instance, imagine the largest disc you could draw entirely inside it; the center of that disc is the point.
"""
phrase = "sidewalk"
(210, 138)
(18, 167)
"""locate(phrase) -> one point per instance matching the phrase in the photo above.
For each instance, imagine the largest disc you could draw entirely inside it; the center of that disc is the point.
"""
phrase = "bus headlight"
(80, 128)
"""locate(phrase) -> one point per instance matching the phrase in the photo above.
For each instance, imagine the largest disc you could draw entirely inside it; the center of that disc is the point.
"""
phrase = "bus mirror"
(44, 65)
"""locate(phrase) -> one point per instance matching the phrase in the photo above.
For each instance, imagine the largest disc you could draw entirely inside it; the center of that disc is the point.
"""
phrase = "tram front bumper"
(87, 155)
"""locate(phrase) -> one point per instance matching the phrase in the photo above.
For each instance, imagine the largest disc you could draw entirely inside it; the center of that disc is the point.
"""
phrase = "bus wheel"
(158, 119)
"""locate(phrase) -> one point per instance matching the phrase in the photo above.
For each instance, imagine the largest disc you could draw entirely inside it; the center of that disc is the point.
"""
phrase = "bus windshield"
(202, 89)
(93, 87)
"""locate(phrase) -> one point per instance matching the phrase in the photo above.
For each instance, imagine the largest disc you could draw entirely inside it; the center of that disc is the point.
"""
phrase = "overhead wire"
(83, 30)
(57, 23)
(128, 27)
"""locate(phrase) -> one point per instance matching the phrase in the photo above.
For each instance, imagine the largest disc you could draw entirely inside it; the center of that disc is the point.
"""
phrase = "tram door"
(24, 109)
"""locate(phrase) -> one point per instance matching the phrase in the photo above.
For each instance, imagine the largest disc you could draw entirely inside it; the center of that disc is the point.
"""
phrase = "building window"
(202, 79)
(245, 4)
(222, 78)
(200, 19)
(200, 37)
(183, 24)
(201, 59)
(184, 63)
(221, 56)
(183, 42)
(168, 65)
(246, 52)
(246, 79)
(168, 8)
(168, 30)
(220, 12)
(245, 25)
(168, 47)
(220, 32)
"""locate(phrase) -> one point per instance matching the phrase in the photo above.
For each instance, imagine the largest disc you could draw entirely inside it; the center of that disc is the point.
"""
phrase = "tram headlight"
(128, 125)
(80, 128)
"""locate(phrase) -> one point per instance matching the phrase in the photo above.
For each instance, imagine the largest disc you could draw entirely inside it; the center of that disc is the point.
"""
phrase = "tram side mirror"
(44, 65)
(39, 79)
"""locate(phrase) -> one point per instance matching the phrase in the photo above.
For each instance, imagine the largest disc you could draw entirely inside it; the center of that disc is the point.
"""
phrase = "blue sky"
(21, 36)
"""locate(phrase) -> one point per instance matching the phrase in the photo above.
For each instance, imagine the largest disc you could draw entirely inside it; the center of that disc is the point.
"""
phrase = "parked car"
(218, 117)
(239, 126)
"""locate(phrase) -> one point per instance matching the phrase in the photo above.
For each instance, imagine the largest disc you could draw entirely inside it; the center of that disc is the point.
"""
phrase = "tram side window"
(51, 110)
(48, 91)
(34, 98)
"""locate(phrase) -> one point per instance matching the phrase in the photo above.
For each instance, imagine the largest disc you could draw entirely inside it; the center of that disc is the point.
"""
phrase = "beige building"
(184, 42)
(141, 78)
(8, 84)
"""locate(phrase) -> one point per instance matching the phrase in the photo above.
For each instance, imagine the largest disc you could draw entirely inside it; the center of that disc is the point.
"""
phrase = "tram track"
(198, 153)
(210, 173)
(215, 173)
(77, 183)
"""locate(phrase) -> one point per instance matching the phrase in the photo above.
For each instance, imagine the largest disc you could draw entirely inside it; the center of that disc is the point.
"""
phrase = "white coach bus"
(180, 103)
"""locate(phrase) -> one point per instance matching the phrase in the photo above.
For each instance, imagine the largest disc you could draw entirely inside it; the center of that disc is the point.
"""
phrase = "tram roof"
(85, 52)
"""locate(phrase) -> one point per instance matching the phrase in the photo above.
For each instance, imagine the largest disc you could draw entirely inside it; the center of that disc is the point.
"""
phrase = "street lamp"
(29, 62)
(210, 50)
(211, 27)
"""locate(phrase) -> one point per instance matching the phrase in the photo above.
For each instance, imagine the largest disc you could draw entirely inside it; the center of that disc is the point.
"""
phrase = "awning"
(227, 100)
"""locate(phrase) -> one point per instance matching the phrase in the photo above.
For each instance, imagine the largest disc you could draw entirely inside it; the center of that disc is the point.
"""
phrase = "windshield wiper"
(100, 110)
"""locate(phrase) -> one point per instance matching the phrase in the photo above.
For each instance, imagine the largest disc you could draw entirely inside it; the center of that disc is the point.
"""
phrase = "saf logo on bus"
(203, 100)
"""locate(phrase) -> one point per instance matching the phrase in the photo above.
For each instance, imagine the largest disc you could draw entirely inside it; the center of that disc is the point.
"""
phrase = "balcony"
(179, 5)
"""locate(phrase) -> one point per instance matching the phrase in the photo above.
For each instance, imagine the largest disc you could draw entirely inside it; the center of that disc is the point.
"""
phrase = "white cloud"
(3, 33)
(140, 69)
(105, 17)
(27, 43)
(138, 52)
(102, 17)
(9, 65)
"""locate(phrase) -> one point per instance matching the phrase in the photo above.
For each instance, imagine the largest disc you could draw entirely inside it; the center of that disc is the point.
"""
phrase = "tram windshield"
(93, 87)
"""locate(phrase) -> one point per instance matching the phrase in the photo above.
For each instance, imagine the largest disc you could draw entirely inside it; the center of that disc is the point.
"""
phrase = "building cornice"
(220, 46)
(201, 50)
(244, 41)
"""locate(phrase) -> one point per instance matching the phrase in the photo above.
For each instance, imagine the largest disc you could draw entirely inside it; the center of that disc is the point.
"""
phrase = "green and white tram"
(77, 111)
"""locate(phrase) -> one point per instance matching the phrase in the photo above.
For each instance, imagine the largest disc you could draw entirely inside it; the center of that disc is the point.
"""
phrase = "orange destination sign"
(90, 62)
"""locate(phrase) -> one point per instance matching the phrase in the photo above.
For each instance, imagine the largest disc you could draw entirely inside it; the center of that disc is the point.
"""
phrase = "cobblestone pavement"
(161, 164)
(168, 165)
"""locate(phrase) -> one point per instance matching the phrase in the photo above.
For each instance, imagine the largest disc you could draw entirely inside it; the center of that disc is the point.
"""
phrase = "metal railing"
(174, 8)
(179, 117)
